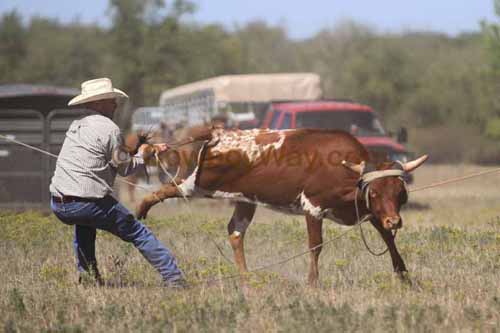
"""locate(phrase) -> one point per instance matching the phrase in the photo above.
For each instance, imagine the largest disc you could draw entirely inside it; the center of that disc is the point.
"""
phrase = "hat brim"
(81, 99)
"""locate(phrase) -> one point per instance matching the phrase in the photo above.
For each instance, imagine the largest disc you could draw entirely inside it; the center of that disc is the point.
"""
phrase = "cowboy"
(91, 156)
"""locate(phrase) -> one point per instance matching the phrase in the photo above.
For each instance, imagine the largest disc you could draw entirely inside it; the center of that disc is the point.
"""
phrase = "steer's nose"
(393, 222)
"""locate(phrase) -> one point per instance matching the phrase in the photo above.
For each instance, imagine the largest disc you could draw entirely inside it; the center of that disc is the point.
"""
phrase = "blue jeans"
(110, 215)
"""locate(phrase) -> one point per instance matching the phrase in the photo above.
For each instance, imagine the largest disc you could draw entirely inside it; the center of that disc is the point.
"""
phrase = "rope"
(279, 262)
(172, 178)
(120, 179)
(70, 161)
(300, 254)
(365, 219)
(368, 248)
(425, 187)
(455, 180)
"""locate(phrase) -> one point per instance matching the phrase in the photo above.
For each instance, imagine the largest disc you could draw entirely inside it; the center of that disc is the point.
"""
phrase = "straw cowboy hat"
(94, 90)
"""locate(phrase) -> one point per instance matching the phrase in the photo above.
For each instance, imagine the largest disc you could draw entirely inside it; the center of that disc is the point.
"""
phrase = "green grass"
(452, 251)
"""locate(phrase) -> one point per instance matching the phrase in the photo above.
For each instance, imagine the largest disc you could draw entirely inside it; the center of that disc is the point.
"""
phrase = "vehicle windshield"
(354, 122)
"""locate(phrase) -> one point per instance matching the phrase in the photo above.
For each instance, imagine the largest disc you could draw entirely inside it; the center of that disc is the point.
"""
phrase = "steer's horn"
(412, 165)
(354, 167)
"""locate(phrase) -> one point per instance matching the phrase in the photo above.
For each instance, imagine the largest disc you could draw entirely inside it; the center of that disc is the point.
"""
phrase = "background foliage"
(422, 80)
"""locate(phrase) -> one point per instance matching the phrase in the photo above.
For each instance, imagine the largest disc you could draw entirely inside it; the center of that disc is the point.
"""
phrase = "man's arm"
(125, 163)
(121, 160)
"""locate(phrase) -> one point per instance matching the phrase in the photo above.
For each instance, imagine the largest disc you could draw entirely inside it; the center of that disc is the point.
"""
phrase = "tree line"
(442, 88)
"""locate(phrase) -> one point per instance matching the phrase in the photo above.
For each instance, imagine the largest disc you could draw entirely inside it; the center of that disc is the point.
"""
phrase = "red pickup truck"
(357, 119)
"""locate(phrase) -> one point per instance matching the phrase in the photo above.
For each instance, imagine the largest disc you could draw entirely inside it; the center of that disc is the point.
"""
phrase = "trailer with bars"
(39, 116)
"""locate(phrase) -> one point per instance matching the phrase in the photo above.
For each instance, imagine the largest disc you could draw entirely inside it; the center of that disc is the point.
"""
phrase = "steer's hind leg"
(397, 262)
(166, 191)
(314, 231)
(241, 219)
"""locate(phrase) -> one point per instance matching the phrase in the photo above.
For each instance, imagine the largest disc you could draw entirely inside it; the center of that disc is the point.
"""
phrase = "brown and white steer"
(300, 171)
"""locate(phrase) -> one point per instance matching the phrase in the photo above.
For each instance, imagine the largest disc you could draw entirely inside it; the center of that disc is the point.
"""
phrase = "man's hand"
(161, 147)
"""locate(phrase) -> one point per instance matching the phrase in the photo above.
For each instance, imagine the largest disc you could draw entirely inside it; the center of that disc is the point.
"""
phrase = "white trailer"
(235, 96)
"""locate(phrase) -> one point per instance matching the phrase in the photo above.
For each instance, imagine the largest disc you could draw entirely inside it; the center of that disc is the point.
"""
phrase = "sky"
(301, 18)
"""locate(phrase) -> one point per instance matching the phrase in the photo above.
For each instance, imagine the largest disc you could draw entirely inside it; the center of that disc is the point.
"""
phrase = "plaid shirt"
(85, 166)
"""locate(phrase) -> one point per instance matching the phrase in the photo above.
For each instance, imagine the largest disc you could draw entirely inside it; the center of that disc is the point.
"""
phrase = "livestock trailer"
(235, 96)
(39, 116)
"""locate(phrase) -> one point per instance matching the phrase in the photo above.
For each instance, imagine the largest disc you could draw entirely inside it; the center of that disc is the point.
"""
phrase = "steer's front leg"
(397, 262)
(165, 192)
(314, 231)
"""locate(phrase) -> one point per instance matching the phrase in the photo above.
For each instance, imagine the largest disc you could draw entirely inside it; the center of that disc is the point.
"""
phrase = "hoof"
(313, 284)
(404, 277)
(142, 211)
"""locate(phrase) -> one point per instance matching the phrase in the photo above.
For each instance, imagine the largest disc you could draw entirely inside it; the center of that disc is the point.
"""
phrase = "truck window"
(356, 122)
(287, 121)
(274, 120)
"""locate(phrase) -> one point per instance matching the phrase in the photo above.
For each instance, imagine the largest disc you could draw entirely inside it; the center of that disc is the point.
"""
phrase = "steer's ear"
(359, 168)
(412, 165)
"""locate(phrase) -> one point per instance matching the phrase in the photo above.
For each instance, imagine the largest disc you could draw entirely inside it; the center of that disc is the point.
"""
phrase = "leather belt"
(69, 198)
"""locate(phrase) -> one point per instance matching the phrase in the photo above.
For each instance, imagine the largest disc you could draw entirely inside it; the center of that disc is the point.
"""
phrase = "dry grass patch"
(452, 249)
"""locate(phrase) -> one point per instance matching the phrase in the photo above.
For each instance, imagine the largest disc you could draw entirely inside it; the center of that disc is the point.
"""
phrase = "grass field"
(450, 242)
